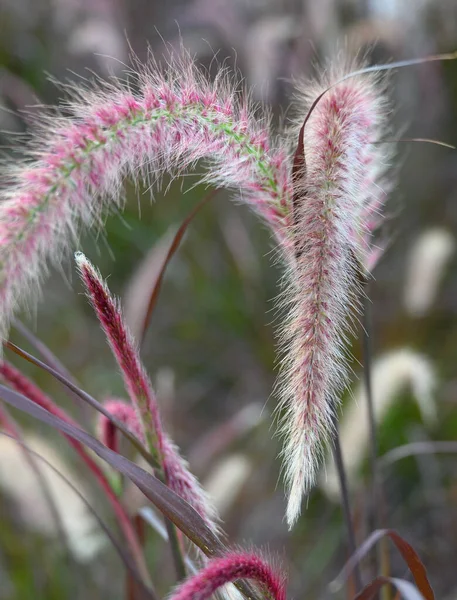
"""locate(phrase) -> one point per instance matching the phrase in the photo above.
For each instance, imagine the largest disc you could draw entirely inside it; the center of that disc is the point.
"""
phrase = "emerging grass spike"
(229, 568)
(333, 199)
(124, 350)
(142, 417)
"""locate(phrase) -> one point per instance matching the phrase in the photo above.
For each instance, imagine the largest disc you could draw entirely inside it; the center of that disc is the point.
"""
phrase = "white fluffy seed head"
(19, 481)
(391, 374)
(428, 259)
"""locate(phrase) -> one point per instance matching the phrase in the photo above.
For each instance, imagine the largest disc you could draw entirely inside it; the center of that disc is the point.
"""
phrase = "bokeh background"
(210, 348)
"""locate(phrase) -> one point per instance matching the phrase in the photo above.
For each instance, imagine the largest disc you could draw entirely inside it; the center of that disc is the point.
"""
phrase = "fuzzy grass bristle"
(333, 197)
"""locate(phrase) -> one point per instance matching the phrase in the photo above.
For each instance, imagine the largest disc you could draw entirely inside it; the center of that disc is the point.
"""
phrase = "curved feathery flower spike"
(233, 566)
(333, 183)
(72, 173)
(142, 417)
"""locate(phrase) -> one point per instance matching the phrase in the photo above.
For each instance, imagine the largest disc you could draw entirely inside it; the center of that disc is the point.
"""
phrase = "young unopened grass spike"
(229, 568)
(142, 417)
(124, 349)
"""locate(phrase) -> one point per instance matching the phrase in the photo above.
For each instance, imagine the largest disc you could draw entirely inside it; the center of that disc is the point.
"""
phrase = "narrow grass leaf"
(415, 448)
(169, 503)
(88, 399)
(123, 555)
(408, 553)
(405, 589)
(171, 251)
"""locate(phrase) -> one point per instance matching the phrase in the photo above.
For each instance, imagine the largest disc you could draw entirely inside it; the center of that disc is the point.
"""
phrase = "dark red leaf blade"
(124, 556)
(405, 588)
(408, 553)
(87, 398)
(169, 503)
(171, 251)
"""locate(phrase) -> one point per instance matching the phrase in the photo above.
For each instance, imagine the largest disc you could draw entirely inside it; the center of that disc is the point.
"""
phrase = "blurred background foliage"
(210, 349)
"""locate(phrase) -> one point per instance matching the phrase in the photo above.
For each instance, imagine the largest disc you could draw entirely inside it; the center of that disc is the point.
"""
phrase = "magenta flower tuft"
(142, 417)
(233, 566)
(333, 197)
(125, 414)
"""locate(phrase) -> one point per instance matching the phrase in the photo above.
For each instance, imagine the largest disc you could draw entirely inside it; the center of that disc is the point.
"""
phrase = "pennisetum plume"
(339, 167)
(320, 214)
(72, 171)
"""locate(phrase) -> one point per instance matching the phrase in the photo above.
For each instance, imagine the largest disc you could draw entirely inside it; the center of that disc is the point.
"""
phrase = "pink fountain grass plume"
(143, 418)
(25, 386)
(72, 173)
(332, 197)
(229, 568)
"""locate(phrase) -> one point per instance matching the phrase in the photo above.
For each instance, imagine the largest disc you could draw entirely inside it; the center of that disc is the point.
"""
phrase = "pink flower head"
(142, 417)
(125, 414)
(233, 566)
(333, 193)
(72, 174)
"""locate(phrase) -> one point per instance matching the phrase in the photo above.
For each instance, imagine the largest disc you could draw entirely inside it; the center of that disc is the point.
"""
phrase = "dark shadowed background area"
(210, 349)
